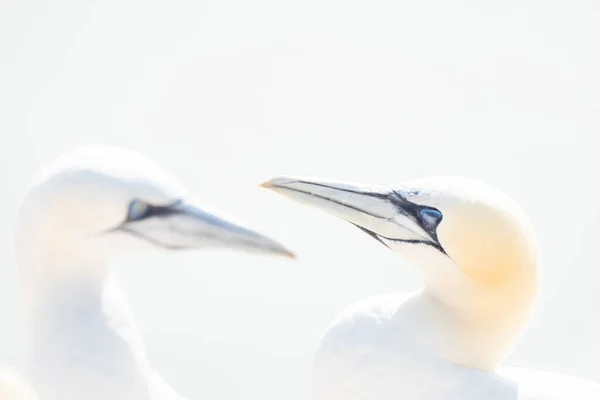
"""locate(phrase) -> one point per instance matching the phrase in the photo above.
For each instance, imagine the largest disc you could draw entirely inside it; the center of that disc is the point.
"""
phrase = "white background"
(227, 94)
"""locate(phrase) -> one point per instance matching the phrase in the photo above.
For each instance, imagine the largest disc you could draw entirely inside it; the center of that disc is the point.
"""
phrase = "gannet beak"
(381, 212)
(184, 225)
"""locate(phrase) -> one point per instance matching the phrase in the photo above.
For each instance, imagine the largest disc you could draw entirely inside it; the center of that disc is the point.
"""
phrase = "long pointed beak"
(186, 226)
(366, 206)
(377, 210)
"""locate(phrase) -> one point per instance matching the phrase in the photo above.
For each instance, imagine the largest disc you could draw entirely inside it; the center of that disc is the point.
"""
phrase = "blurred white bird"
(480, 262)
(92, 204)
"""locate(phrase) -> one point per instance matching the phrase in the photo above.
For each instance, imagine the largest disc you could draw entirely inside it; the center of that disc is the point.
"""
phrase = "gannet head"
(107, 200)
(474, 245)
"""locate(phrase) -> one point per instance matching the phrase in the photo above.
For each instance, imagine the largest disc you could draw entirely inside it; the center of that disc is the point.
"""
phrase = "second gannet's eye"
(430, 218)
(137, 210)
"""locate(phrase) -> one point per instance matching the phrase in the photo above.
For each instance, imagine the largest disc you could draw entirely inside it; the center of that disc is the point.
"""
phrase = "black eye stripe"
(152, 210)
(414, 211)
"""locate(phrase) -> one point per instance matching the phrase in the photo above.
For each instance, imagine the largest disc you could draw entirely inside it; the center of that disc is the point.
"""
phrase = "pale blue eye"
(137, 210)
(430, 218)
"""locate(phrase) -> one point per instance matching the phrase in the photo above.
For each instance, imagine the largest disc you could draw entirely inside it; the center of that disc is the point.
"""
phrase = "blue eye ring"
(137, 210)
(430, 217)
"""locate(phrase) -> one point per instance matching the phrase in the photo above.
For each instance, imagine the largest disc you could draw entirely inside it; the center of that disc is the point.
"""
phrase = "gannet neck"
(80, 326)
(489, 324)
(479, 339)
(488, 283)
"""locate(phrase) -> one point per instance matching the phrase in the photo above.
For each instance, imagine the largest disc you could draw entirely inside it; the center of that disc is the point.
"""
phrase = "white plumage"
(480, 262)
(91, 205)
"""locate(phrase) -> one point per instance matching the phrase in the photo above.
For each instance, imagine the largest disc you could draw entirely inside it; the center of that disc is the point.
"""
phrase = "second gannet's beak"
(185, 225)
(383, 213)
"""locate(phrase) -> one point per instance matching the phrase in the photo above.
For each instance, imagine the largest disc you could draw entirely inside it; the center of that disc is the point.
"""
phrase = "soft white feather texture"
(481, 267)
(74, 220)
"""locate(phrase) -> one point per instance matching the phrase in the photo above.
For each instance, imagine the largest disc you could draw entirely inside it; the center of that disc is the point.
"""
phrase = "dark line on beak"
(372, 234)
(404, 206)
(411, 241)
(418, 241)
(372, 194)
(425, 242)
(341, 203)
(149, 239)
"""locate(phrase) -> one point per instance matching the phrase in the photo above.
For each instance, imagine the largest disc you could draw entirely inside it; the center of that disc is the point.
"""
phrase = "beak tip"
(266, 184)
(279, 182)
(283, 252)
(291, 255)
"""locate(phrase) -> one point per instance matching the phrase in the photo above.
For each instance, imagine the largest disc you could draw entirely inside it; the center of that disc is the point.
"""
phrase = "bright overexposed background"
(228, 93)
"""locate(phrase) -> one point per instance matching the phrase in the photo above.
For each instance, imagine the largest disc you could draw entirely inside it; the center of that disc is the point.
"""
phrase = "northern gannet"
(90, 205)
(479, 258)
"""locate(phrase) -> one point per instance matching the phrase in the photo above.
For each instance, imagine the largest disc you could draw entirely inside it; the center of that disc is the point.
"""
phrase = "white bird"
(480, 262)
(92, 204)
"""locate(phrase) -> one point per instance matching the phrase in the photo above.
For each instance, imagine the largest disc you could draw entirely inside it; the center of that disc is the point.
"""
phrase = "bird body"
(374, 349)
